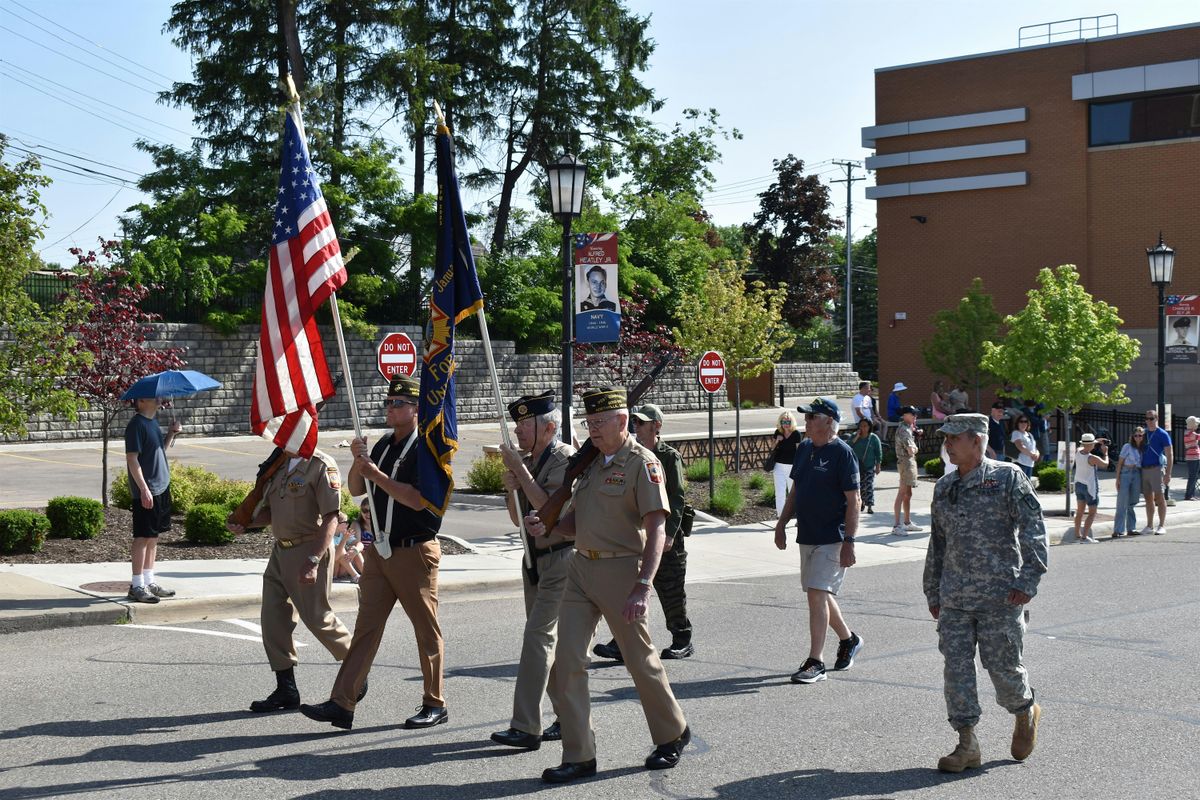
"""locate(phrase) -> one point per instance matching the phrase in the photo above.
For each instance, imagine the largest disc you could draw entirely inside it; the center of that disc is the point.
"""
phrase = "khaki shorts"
(908, 471)
(821, 567)
(1152, 480)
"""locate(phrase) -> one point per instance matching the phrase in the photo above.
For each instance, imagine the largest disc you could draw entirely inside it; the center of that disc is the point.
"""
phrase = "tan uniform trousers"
(536, 673)
(594, 589)
(410, 576)
(285, 600)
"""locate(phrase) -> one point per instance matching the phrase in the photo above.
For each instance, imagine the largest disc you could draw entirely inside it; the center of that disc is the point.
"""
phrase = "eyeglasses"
(597, 424)
(1138, 435)
(397, 403)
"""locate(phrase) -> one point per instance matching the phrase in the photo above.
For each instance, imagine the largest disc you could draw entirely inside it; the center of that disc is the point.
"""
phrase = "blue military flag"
(455, 295)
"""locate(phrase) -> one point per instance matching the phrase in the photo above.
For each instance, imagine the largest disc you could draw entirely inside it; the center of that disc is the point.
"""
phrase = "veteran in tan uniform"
(300, 503)
(619, 524)
(534, 478)
(401, 567)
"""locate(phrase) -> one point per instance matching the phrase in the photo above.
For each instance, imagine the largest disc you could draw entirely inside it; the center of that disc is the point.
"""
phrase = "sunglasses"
(787, 423)
(398, 403)
(1138, 435)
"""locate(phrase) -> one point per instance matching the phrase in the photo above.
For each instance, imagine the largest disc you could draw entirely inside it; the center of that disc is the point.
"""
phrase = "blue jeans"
(1129, 490)
(1193, 471)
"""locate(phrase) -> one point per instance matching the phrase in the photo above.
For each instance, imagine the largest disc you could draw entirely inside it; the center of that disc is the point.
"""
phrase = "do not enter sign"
(711, 372)
(397, 355)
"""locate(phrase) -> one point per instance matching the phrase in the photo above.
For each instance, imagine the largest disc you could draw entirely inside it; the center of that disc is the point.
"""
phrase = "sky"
(80, 76)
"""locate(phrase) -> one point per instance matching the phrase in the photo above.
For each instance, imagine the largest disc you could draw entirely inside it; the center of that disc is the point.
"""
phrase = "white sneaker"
(1088, 540)
(899, 530)
(1160, 530)
(1147, 531)
(911, 528)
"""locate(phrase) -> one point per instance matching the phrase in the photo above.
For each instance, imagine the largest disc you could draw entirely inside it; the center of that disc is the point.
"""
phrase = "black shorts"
(148, 523)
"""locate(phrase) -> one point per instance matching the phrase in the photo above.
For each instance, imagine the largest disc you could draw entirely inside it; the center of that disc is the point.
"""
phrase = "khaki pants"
(536, 673)
(409, 576)
(285, 600)
(594, 589)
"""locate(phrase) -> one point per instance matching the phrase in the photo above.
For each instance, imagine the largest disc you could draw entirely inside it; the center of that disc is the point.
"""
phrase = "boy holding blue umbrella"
(150, 487)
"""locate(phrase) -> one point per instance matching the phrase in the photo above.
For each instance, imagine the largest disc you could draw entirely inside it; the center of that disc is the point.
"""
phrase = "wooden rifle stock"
(578, 464)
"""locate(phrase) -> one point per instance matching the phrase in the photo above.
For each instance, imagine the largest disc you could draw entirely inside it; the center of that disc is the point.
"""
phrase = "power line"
(85, 222)
(73, 155)
(88, 170)
(98, 114)
(83, 38)
(77, 61)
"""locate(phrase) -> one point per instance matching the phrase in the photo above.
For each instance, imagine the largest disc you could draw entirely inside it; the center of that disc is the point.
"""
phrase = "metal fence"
(1118, 427)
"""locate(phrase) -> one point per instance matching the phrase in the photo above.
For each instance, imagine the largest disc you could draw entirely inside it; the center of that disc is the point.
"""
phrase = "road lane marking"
(222, 634)
(50, 461)
(216, 449)
(241, 623)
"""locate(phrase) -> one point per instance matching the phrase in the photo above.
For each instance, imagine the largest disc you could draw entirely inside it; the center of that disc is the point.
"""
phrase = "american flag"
(306, 268)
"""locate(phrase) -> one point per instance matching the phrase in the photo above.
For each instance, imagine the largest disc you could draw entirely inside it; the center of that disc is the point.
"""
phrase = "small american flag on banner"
(306, 268)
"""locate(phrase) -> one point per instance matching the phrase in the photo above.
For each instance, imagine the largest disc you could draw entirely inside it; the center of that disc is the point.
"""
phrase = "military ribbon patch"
(654, 471)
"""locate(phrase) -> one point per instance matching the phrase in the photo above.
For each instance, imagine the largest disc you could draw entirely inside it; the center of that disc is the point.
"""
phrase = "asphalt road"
(127, 711)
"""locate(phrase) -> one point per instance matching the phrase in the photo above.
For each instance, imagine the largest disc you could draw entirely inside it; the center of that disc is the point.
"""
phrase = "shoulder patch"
(334, 477)
(654, 471)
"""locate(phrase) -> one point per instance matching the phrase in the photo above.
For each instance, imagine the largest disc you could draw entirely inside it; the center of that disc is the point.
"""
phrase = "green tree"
(36, 353)
(960, 338)
(866, 301)
(790, 240)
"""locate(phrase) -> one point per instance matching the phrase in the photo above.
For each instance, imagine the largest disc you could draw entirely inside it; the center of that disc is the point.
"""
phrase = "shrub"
(188, 483)
(758, 481)
(728, 499)
(22, 531)
(485, 475)
(1043, 466)
(768, 496)
(205, 524)
(349, 505)
(222, 492)
(1051, 480)
(119, 494)
(935, 467)
(698, 470)
(75, 517)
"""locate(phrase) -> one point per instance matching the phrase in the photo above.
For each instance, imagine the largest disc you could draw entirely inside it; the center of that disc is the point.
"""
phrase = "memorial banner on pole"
(597, 306)
(1183, 329)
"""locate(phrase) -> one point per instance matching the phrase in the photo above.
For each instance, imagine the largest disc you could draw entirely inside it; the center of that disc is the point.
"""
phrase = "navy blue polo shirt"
(822, 476)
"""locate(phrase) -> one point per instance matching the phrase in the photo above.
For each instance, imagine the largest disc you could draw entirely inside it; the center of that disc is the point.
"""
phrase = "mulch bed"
(114, 540)
(754, 509)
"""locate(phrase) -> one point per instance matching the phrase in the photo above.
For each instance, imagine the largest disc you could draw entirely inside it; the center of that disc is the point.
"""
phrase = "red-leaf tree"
(115, 333)
(634, 355)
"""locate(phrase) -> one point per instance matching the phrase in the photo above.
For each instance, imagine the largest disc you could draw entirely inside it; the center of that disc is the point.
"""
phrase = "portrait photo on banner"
(592, 290)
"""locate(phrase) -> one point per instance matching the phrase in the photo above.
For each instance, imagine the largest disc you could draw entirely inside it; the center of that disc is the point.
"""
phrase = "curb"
(111, 613)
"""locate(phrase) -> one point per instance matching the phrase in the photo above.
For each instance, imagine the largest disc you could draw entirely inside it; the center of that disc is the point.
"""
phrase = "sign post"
(396, 355)
(710, 372)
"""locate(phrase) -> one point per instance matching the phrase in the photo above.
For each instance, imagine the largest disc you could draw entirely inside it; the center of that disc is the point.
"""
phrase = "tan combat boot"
(1025, 732)
(965, 755)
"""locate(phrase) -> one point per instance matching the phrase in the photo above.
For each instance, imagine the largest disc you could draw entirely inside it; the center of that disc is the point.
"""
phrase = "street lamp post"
(566, 202)
(1162, 265)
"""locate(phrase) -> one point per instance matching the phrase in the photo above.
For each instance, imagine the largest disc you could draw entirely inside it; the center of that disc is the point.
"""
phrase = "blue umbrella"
(171, 383)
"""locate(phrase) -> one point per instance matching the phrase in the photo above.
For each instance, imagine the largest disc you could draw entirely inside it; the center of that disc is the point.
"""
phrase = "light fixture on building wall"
(899, 316)
(1162, 267)
(921, 218)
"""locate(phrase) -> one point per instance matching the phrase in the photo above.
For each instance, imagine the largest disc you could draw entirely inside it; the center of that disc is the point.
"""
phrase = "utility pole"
(849, 167)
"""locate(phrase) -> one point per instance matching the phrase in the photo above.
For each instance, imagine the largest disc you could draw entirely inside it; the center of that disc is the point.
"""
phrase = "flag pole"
(491, 362)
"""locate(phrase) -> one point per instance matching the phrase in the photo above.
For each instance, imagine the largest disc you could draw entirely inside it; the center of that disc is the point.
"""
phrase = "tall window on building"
(1145, 119)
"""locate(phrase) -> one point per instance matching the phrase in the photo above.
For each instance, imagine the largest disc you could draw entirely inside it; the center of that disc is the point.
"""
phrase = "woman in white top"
(1129, 484)
(1091, 454)
(1023, 440)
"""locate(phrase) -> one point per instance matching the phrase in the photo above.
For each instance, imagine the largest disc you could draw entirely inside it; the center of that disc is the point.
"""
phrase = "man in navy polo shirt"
(1157, 460)
(824, 501)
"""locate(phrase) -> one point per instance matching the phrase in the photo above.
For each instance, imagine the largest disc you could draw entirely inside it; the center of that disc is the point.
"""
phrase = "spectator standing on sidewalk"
(869, 452)
(1022, 438)
(824, 500)
(862, 405)
(1129, 483)
(894, 404)
(1092, 454)
(995, 434)
(987, 554)
(787, 439)
(1157, 460)
(1191, 453)
(906, 463)
(150, 485)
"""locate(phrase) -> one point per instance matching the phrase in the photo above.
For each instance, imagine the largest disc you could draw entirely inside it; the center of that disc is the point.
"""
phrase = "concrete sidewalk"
(40, 596)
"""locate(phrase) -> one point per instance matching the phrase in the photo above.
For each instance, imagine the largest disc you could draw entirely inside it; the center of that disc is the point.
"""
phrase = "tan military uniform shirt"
(551, 476)
(612, 498)
(298, 497)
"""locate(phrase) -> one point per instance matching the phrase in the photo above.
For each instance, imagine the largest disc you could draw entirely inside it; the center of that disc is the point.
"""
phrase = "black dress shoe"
(515, 738)
(427, 717)
(609, 651)
(666, 756)
(678, 651)
(362, 692)
(553, 733)
(330, 712)
(278, 700)
(567, 772)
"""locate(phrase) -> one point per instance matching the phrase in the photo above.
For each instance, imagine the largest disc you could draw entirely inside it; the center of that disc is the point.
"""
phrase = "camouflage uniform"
(672, 569)
(988, 539)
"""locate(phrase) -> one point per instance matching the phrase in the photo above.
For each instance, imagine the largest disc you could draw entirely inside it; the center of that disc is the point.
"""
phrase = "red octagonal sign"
(397, 355)
(711, 372)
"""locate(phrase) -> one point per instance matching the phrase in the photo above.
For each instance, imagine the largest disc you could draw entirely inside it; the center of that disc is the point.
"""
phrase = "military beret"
(528, 406)
(404, 386)
(604, 399)
(963, 423)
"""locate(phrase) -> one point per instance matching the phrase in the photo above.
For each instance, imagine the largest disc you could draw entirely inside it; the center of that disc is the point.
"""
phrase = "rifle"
(244, 513)
(585, 455)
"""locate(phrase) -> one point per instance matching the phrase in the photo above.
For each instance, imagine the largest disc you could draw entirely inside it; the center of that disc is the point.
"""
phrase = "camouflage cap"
(963, 423)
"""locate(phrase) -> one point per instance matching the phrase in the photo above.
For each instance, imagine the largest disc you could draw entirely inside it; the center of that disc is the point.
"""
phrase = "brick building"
(998, 164)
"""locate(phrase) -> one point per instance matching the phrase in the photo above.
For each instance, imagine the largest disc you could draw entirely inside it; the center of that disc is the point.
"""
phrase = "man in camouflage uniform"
(986, 554)
(672, 569)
